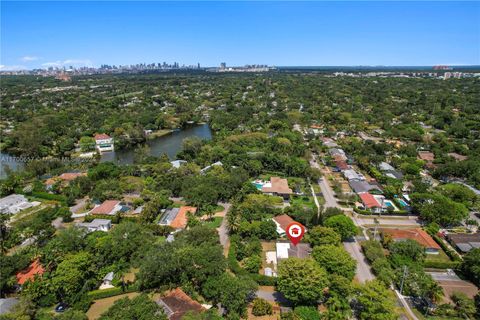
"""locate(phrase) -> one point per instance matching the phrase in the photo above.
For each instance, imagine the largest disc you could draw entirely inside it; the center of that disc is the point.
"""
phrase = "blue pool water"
(388, 204)
(258, 185)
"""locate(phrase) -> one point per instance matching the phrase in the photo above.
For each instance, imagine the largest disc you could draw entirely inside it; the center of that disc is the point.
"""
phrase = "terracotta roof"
(101, 136)
(418, 235)
(426, 155)
(176, 303)
(180, 221)
(341, 164)
(106, 207)
(369, 201)
(283, 220)
(279, 185)
(28, 274)
(69, 176)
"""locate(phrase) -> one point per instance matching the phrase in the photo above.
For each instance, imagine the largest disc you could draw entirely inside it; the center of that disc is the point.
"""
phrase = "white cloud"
(68, 62)
(12, 68)
(29, 58)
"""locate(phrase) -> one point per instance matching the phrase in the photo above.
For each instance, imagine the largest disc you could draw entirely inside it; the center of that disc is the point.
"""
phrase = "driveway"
(223, 229)
(327, 191)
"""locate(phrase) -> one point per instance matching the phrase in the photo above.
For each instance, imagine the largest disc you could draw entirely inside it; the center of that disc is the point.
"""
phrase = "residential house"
(177, 163)
(364, 186)
(370, 203)
(342, 165)
(15, 203)
(177, 217)
(464, 242)
(328, 142)
(418, 235)
(104, 142)
(96, 225)
(64, 178)
(337, 153)
(216, 164)
(428, 157)
(108, 207)
(177, 303)
(282, 222)
(351, 174)
(287, 250)
(278, 187)
(390, 171)
(28, 274)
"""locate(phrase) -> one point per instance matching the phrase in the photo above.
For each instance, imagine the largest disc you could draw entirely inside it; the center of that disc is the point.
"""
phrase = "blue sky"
(36, 34)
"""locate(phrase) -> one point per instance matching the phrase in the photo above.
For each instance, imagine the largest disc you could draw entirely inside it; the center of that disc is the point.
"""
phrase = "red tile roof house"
(181, 219)
(104, 142)
(428, 157)
(108, 207)
(28, 274)
(370, 203)
(418, 235)
(177, 303)
(278, 187)
(282, 222)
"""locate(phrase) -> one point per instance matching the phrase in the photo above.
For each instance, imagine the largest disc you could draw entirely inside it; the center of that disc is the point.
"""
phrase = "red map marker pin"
(295, 232)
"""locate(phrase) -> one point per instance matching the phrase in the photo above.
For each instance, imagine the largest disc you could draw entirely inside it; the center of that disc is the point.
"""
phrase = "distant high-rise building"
(198, 65)
(223, 65)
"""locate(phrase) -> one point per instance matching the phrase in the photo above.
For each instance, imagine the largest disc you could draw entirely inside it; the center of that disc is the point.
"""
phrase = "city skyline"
(64, 34)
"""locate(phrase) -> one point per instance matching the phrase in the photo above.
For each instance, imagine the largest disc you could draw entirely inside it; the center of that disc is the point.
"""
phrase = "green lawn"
(214, 223)
(440, 257)
(304, 201)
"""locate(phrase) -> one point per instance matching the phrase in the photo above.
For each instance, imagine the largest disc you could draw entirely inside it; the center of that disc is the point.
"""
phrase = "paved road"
(363, 272)
(327, 192)
(223, 229)
(406, 221)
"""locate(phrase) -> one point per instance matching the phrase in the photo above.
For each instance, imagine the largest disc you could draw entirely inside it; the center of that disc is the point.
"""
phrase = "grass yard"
(440, 257)
(100, 306)
(214, 223)
(305, 201)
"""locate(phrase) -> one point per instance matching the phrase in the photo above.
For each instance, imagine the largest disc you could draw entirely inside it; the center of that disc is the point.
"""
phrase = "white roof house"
(351, 174)
(14, 203)
(96, 225)
(178, 163)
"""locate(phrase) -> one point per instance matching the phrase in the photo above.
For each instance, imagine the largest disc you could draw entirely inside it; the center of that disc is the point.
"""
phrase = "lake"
(170, 144)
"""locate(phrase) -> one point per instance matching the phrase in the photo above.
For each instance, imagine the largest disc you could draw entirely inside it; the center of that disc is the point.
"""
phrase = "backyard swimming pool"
(402, 203)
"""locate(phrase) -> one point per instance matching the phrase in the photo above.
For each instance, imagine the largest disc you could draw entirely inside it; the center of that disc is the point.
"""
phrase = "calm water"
(169, 144)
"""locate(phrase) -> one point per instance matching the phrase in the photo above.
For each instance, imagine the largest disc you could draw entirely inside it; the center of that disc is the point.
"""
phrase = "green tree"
(234, 293)
(302, 281)
(343, 225)
(464, 305)
(72, 273)
(140, 307)
(335, 260)
(471, 265)
(375, 302)
(438, 208)
(261, 307)
(318, 236)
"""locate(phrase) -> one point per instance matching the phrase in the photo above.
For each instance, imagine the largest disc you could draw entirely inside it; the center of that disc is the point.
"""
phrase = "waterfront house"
(104, 142)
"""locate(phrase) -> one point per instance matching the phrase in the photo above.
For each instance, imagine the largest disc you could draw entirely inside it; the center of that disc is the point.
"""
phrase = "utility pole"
(403, 278)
